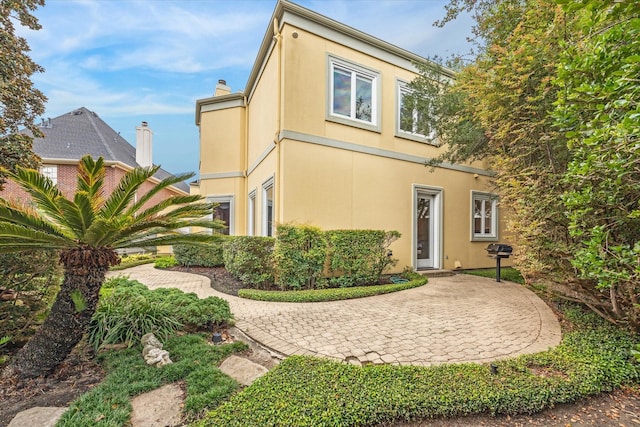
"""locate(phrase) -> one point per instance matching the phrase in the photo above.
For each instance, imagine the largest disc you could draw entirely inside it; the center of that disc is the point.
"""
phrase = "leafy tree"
(599, 109)
(88, 229)
(20, 102)
(498, 111)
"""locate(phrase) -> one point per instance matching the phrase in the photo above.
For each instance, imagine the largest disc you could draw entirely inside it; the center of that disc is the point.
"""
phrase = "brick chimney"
(222, 88)
(144, 146)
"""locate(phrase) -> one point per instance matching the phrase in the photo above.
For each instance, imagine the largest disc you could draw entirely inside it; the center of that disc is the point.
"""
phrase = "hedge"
(250, 259)
(299, 256)
(333, 294)
(202, 256)
(358, 257)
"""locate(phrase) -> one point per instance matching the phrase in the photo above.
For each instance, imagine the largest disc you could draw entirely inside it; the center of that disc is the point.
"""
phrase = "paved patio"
(460, 318)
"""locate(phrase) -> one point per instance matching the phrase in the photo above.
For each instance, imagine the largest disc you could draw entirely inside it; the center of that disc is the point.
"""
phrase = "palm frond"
(167, 203)
(43, 191)
(91, 175)
(167, 182)
(103, 232)
(15, 237)
(172, 239)
(78, 213)
(26, 217)
(125, 192)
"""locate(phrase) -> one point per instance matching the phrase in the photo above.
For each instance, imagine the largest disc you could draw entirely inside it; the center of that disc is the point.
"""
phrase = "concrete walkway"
(460, 318)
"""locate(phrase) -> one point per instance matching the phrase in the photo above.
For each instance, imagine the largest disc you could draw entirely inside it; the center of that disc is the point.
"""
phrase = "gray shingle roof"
(80, 132)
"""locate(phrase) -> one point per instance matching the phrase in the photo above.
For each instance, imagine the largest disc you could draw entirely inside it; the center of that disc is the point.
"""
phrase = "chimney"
(144, 139)
(222, 88)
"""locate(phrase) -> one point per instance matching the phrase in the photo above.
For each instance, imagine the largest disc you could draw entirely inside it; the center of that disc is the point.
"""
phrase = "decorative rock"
(153, 353)
(150, 339)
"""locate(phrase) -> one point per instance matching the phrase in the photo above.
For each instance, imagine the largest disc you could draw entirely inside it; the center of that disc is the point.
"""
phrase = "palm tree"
(87, 230)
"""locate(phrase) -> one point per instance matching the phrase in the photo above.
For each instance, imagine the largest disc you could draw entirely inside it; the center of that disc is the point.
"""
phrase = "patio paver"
(460, 318)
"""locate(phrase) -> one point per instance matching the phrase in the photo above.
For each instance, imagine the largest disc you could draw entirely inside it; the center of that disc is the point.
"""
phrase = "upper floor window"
(353, 94)
(411, 122)
(51, 172)
(484, 217)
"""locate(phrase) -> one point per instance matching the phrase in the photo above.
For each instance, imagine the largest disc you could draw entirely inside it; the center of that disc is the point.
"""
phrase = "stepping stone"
(41, 416)
(161, 407)
(242, 370)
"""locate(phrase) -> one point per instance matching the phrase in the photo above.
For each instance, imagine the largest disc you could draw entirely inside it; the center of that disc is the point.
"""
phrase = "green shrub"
(165, 262)
(359, 257)
(133, 260)
(306, 391)
(299, 256)
(331, 294)
(128, 309)
(250, 259)
(35, 277)
(210, 255)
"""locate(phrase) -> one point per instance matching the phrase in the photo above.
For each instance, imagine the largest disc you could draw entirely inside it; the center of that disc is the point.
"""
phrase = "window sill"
(354, 123)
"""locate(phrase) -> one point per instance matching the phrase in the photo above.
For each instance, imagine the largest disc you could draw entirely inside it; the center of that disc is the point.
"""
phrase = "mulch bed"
(221, 279)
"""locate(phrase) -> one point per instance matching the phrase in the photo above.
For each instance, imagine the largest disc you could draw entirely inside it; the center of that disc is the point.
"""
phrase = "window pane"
(487, 217)
(269, 201)
(222, 212)
(477, 216)
(363, 98)
(342, 92)
(406, 114)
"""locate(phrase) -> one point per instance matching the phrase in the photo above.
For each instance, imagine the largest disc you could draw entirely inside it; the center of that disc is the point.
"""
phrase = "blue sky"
(150, 60)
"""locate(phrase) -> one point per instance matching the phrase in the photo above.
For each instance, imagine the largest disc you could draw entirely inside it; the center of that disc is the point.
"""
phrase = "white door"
(424, 238)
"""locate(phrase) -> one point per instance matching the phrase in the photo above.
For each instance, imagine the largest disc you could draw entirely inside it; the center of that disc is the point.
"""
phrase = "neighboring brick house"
(71, 136)
(321, 135)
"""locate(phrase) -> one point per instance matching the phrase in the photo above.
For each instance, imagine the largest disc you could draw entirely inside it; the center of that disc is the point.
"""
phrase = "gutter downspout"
(277, 37)
(245, 144)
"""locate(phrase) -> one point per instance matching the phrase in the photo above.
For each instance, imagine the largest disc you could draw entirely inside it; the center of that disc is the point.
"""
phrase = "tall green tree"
(498, 111)
(20, 102)
(88, 229)
(599, 109)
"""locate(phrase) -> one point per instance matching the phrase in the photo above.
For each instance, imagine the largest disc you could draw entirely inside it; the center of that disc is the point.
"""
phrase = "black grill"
(499, 251)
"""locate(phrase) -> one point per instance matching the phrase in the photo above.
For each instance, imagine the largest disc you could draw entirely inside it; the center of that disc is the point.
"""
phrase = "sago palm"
(87, 230)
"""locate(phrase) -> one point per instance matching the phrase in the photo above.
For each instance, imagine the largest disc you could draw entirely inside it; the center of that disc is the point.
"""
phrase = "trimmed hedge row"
(300, 257)
(201, 256)
(306, 391)
(249, 258)
(321, 295)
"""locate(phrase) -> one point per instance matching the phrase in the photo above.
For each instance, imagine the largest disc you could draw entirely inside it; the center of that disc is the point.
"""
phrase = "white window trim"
(50, 171)
(251, 212)
(403, 88)
(268, 184)
(376, 94)
(493, 199)
(226, 198)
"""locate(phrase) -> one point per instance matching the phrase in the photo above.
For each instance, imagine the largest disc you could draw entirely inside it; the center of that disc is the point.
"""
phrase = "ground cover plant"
(128, 309)
(330, 294)
(303, 391)
(506, 273)
(195, 363)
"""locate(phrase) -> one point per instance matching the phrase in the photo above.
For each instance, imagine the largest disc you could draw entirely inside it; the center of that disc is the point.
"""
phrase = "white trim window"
(251, 214)
(224, 211)
(409, 117)
(353, 93)
(267, 208)
(51, 172)
(484, 216)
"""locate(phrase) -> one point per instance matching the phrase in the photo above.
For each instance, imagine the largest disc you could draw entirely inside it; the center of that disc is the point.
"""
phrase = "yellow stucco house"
(316, 138)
